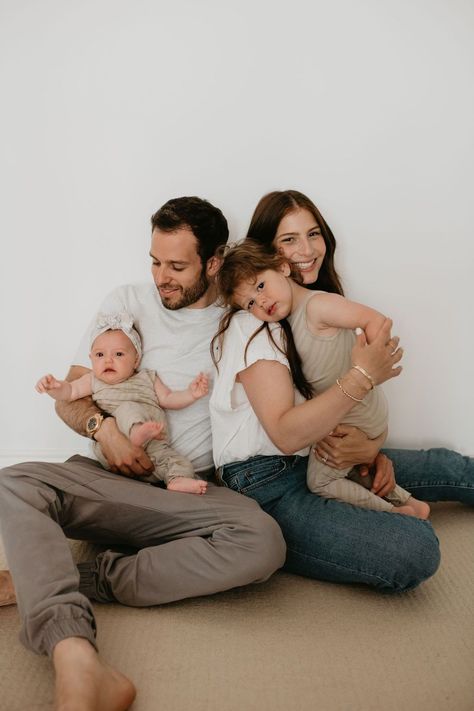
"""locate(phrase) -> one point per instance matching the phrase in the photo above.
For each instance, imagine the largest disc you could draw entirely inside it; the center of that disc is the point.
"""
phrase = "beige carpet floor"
(289, 644)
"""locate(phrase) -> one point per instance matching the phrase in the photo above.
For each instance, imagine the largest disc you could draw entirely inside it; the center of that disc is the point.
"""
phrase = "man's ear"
(213, 265)
(285, 269)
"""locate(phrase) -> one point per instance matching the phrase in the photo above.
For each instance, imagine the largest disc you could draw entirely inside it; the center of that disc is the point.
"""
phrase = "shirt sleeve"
(267, 344)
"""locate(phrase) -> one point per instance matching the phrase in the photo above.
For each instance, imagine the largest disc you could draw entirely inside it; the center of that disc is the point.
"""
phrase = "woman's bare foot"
(7, 591)
(421, 508)
(187, 486)
(407, 510)
(85, 683)
(143, 432)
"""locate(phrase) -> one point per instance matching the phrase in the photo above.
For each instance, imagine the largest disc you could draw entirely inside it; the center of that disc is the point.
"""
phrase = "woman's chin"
(310, 276)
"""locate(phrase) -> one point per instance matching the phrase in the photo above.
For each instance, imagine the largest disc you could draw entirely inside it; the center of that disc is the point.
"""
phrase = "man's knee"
(269, 547)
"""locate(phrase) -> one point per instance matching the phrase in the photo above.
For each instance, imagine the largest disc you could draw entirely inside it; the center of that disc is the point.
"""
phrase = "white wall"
(110, 107)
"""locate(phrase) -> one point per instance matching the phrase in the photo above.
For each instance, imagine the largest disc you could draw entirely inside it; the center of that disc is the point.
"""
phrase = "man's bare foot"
(421, 508)
(85, 683)
(7, 591)
(143, 432)
(407, 510)
(187, 486)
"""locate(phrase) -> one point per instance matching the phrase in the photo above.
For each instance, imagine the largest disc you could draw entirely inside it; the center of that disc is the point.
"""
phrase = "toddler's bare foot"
(7, 591)
(143, 432)
(407, 510)
(85, 683)
(421, 508)
(187, 486)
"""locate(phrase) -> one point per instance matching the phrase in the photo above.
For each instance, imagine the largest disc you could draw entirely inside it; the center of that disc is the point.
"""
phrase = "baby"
(134, 398)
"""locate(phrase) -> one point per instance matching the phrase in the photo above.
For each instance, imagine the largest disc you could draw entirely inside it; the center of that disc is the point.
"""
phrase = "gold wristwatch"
(94, 423)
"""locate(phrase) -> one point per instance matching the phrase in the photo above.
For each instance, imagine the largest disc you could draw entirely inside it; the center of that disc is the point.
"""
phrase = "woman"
(253, 398)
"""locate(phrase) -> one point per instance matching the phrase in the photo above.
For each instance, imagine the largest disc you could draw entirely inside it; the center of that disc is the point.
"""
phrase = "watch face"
(91, 423)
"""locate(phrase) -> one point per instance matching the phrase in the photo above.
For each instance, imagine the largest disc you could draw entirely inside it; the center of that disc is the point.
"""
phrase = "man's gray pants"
(183, 545)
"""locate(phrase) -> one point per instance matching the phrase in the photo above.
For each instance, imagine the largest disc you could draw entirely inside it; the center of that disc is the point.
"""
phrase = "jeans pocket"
(254, 475)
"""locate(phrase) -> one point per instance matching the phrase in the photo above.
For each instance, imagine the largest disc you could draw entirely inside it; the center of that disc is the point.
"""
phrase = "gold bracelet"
(338, 382)
(364, 372)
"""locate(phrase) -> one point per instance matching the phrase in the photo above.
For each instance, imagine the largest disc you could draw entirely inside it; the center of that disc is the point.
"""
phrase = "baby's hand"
(46, 383)
(199, 386)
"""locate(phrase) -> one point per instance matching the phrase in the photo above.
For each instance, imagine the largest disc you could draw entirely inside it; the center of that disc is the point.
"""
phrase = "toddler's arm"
(332, 310)
(63, 389)
(177, 399)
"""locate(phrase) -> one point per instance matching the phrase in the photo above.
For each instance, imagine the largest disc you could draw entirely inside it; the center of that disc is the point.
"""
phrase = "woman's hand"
(347, 446)
(380, 357)
(384, 479)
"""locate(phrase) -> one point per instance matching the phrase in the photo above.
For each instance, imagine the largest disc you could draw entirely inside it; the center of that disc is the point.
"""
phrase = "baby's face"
(113, 357)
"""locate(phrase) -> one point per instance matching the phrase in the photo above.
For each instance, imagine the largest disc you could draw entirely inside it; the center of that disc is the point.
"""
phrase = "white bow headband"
(117, 322)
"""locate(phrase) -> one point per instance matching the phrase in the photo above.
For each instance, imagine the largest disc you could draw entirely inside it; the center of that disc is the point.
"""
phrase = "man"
(186, 545)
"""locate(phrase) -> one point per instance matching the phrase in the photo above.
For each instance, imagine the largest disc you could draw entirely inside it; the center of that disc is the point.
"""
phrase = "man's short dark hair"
(205, 221)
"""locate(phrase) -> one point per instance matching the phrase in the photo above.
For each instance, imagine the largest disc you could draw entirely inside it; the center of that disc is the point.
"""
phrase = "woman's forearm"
(293, 427)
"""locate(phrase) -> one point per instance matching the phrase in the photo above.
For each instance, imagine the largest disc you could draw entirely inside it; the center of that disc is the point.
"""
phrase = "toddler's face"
(268, 297)
(113, 357)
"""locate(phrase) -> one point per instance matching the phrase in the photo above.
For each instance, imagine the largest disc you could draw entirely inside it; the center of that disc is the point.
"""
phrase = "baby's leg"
(143, 432)
(140, 422)
(187, 486)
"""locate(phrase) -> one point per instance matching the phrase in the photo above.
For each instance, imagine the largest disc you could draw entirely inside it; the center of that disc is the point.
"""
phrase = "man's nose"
(162, 274)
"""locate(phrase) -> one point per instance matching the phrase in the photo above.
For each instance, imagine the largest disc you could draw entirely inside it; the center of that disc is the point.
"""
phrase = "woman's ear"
(285, 269)
(213, 265)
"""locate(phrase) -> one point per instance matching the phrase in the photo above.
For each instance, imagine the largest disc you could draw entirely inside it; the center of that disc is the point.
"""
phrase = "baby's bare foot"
(85, 683)
(143, 432)
(421, 508)
(187, 486)
(7, 591)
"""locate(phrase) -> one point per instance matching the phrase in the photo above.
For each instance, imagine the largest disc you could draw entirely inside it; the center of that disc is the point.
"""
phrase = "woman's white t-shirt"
(237, 433)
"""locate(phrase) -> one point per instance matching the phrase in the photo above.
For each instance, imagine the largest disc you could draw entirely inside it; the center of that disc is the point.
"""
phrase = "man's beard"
(189, 295)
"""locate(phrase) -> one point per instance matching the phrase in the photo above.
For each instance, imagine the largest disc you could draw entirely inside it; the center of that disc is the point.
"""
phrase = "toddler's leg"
(401, 498)
(333, 484)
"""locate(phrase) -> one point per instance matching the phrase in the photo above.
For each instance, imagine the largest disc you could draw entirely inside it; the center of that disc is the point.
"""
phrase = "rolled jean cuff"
(67, 627)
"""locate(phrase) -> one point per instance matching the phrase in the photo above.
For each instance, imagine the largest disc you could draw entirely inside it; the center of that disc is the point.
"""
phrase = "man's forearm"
(76, 413)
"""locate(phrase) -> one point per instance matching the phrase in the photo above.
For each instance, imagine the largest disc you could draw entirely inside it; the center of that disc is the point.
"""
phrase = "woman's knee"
(416, 561)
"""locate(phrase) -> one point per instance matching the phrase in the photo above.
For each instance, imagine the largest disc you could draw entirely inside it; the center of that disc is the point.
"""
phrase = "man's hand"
(347, 446)
(123, 456)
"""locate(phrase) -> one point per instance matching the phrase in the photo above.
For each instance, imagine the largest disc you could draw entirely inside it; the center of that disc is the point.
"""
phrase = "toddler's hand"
(199, 386)
(46, 383)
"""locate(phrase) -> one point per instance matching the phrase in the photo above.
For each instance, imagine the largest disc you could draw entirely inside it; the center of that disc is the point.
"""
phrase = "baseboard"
(9, 457)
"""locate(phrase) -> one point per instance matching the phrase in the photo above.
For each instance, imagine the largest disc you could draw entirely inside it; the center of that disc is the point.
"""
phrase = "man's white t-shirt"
(236, 431)
(176, 344)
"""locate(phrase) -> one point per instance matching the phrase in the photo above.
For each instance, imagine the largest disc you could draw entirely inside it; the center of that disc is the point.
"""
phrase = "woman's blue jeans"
(335, 541)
